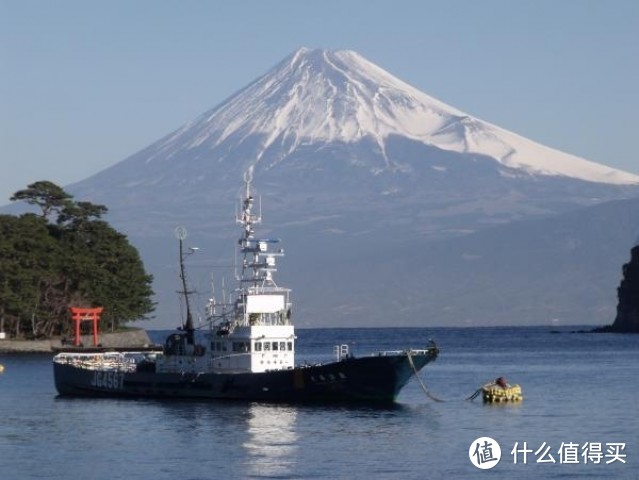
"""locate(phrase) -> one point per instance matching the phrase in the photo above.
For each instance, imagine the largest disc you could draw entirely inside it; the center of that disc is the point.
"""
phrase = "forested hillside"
(62, 256)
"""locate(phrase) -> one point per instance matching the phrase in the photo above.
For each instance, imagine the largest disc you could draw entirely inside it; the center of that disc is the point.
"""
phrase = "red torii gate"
(88, 314)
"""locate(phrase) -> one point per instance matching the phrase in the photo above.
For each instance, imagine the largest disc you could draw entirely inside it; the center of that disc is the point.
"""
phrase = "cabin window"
(258, 346)
(275, 346)
(241, 347)
(289, 346)
(283, 346)
(267, 346)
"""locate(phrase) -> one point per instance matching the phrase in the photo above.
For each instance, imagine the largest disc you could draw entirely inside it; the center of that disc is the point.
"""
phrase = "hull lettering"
(110, 380)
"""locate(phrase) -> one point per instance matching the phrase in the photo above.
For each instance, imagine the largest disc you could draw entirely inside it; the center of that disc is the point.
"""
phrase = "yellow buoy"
(1, 368)
(500, 391)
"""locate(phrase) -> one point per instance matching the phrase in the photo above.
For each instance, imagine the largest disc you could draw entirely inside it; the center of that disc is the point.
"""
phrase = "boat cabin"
(258, 348)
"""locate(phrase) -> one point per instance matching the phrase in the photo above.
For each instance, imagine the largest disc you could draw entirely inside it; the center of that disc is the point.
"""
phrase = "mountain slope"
(348, 160)
(330, 131)
(318, 96)
(559, 270)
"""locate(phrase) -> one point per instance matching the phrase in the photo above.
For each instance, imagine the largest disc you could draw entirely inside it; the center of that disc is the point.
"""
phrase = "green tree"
(27, 254)
(79, 260)
(77, 214)
(47, 195)
(102, 264)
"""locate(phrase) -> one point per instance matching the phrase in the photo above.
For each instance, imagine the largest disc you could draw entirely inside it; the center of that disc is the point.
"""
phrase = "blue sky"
(84, 84)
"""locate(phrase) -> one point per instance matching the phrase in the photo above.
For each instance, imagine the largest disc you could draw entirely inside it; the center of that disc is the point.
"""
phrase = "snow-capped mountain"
(353, 166)
(320, 96)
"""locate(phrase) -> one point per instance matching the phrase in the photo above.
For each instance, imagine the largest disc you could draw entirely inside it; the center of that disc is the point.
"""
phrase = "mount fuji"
(356, 170)
(320, 97)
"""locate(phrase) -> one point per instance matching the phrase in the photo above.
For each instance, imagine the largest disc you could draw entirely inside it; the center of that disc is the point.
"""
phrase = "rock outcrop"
(129, 338)
(627, 320)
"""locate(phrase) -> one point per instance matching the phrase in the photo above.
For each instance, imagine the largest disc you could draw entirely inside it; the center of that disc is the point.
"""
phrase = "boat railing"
(117, 362)
(395, 353)
(227, 356)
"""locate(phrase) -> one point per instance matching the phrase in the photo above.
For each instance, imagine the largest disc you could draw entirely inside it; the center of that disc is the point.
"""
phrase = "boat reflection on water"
(272, 442)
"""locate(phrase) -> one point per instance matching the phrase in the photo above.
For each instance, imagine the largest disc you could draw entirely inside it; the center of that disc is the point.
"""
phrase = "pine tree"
(66, 256)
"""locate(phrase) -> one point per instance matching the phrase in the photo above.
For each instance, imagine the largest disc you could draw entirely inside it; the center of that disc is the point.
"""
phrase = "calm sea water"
(579, 389)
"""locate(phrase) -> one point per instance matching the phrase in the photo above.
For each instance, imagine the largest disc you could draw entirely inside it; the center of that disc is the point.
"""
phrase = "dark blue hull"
(377, 379)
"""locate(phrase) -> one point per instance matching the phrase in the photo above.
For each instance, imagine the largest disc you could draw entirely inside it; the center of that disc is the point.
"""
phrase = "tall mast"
(180, 233)
(260, 299)
(249, 247)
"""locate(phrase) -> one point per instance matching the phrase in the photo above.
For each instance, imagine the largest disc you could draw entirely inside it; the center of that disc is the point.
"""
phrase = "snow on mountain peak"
(339, 96)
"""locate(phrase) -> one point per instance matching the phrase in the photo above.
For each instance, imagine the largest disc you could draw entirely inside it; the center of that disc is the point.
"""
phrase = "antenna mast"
(180, 233)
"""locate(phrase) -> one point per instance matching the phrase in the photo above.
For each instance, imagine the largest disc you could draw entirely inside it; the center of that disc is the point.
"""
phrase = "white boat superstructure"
(255, 332)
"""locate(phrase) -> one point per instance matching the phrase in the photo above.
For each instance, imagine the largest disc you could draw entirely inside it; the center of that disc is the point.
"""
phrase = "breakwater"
(129, 338)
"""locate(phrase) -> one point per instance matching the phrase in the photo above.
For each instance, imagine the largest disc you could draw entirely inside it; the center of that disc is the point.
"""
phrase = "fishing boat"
(249, 349)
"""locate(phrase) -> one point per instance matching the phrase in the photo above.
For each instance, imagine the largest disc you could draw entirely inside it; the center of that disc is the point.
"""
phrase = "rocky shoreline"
(627, 319)
(130, 338)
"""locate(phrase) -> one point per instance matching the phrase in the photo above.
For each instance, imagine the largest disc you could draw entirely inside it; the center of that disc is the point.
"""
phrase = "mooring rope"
(430, 395)
(426, 391)
(474, 395)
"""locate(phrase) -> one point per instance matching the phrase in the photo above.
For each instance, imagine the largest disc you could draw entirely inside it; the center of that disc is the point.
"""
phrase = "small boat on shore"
(249, 352)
